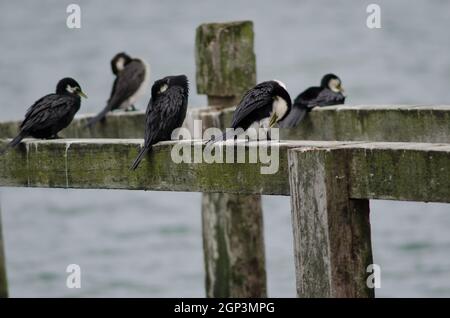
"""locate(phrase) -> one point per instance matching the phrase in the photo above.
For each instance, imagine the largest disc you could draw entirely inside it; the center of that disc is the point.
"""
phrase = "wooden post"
(232, 224)
(3, 280)
(332, 244)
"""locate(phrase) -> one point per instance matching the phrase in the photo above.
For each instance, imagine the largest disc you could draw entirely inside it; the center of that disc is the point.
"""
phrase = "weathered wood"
(233, 246)
(225, 59)
(232, 224)
(374, 123)
(332, 244)
(393, 171)
(387, 123)
(3, 277)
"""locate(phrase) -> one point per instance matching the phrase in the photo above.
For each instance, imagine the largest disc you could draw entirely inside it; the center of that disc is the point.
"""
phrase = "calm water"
(131, 243)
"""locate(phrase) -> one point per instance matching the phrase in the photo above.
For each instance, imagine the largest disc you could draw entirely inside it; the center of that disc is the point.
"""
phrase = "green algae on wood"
(225, 58)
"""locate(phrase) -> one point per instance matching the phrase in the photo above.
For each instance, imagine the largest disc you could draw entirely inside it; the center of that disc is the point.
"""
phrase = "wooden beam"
(332, 243)
(3, 277)
(393, 171)
(388, 123)
(233, 230)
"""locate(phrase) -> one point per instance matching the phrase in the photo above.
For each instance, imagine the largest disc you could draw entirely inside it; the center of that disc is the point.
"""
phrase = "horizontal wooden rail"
(355, 123)
(398, 171)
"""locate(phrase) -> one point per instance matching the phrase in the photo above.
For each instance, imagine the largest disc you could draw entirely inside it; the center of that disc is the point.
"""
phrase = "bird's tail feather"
(294, 117)
(100, 116)
(13, 142)
(139, 158)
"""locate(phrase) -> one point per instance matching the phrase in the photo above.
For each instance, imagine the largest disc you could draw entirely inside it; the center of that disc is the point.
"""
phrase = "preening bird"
(165, 112)
(131, 82)
(330, 92)
(52, 113)
(261, 107)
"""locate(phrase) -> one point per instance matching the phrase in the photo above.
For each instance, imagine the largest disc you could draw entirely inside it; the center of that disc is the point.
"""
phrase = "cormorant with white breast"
(330, 92)
(165, 112)
(261, 107)
(132, 76)
(52, 113)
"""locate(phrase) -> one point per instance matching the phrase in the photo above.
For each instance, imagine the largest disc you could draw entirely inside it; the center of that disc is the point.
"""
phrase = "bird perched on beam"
(132, 76)
(330, 92)
(165, 112)
(261, 107)
(52, 113)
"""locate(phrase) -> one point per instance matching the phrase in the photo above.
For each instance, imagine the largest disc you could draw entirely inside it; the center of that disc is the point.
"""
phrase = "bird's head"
(282, 105)
(119, 61)
(69, 86)
(164, 85)
(332, 82)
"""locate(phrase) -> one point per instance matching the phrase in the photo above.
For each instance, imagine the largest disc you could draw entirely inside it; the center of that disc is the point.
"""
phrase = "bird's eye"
(71, 89)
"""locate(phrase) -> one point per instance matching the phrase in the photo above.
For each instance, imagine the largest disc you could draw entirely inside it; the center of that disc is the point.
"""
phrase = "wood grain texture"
(3, 277)
(393, 171)
(233, 237)
(332, 243)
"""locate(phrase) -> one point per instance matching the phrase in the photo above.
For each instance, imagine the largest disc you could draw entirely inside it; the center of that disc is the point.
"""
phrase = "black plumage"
(330, 92)
(262, 106)
(131, 81)
(166, 111)
(52, 113)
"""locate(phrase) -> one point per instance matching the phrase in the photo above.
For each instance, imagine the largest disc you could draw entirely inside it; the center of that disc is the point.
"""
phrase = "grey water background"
(132, 243)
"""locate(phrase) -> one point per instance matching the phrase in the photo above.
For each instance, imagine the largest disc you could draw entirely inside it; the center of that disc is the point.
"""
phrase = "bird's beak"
(81, 94)
(273, 120)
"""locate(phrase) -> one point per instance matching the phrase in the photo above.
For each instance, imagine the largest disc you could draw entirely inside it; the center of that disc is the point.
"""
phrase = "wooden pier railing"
(329, 182)
(354, 153)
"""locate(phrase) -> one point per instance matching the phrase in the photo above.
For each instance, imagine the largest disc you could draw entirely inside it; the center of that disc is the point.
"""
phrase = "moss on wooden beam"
(225, 59)
(375, 123)
(399, 171)
(357, 123)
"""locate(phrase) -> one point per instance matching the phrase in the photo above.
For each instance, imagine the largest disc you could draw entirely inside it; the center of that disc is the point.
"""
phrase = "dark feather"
(165, 112)
(127, 83)
(256, 104)
(307, 100)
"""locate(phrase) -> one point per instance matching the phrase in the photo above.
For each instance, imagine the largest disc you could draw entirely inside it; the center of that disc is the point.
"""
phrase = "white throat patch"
(120, 64)
(163, 88)
(279, 107)
(333, 85)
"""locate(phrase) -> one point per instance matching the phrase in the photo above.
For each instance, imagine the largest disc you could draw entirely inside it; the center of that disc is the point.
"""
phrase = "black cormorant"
(52, 113)
(165, 112)
(330, 92)
(131, 82)
(261, 107)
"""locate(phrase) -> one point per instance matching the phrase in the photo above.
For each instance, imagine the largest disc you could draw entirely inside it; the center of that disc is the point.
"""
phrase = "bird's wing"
(320, 97)
(294, 117)
(308, 98)
(126, 84)
(254, 99)
(327, 98)
(164, 115)
(46, 111)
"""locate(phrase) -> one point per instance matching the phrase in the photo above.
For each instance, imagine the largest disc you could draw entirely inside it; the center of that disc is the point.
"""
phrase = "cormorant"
(52, 113)
(330, 92)
(261, 107)
(165, 112)
(132, 75)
